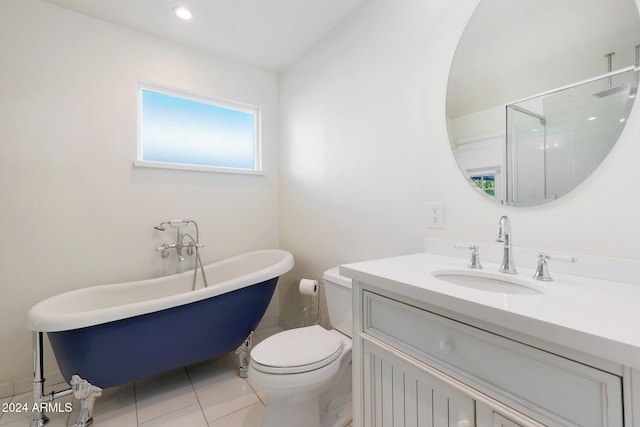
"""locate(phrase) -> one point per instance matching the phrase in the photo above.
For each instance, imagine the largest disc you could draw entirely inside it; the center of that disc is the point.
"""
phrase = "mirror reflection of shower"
(191, 246)
(555, 140)
(611, 89)
(526, 152)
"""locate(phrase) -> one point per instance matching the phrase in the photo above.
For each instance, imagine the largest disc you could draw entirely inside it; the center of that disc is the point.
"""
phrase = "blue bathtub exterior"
(119, 352)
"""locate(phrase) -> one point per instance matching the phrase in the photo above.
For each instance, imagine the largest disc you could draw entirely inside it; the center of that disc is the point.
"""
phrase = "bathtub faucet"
(192, 245)
(179, 245)
(178, 224)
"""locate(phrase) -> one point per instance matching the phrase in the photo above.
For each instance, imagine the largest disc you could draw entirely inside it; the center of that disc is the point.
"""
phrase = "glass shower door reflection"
(526, 157)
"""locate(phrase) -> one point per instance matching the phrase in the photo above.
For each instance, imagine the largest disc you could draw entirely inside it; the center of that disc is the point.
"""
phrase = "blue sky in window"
(178, 130)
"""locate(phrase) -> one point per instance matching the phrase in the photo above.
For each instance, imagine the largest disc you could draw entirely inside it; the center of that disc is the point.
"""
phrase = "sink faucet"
(504, 235)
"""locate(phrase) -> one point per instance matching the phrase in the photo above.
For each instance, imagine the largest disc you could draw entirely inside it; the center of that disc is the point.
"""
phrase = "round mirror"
(538, 93)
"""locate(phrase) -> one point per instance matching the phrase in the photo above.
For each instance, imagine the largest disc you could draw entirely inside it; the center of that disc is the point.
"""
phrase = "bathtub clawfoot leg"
(86, 393)
(243, 355)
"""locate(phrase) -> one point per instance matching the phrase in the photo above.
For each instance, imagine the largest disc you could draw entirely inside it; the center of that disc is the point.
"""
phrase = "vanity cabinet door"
(398, 394)
(398, 391)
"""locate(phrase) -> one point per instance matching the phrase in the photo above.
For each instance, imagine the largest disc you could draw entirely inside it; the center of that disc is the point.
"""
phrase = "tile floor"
(209, 394)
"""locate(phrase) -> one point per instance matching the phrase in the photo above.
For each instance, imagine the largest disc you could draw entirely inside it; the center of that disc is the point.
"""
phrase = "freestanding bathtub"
(114, 334)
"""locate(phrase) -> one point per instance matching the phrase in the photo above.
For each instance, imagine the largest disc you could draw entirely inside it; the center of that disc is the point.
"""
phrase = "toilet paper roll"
(309, 287)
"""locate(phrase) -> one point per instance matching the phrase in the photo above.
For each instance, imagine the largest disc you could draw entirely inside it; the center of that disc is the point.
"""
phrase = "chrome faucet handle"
(542, 270)
(475, 254)
(164, 250)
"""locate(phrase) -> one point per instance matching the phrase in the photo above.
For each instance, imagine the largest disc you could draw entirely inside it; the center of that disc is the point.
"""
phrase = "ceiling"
(269, 34)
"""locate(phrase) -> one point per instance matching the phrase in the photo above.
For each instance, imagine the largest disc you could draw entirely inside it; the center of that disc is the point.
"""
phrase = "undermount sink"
(487, 281)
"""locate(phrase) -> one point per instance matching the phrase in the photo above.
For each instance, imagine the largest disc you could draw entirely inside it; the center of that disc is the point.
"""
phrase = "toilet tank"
(338, 292)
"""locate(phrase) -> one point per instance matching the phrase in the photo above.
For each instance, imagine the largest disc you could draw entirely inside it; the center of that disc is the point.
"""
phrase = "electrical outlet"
(436, 215)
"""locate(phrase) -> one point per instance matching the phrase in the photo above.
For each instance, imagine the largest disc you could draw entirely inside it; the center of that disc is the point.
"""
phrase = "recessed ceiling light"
(182, 12)
(592, 118)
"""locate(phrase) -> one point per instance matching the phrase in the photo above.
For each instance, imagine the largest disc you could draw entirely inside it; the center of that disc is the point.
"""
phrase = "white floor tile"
(163, 394)
(190, 416)
(115, 399)
(24, 402)
(261, 394)
(226, 397)
(115, 408)
(162, 382)
(3, 401)
(23, 411)
(20, 408)
(121, 418)
(55, 420)
(250, 416)
(207, 374)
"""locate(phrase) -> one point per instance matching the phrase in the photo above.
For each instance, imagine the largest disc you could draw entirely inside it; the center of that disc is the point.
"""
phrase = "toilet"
(305, 373)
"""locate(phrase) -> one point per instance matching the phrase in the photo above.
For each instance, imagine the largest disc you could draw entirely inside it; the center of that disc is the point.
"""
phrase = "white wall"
(365, 147)
(74, 211)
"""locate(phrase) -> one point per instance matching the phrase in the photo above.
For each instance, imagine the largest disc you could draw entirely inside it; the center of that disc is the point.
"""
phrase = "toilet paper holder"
(310, 314)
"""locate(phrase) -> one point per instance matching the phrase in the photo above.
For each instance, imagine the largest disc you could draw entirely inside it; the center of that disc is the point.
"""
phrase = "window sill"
(197, 168)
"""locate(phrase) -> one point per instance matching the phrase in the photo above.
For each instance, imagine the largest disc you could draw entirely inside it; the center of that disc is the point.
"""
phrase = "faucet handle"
(542, 270)
(164, 250)
(475, 254)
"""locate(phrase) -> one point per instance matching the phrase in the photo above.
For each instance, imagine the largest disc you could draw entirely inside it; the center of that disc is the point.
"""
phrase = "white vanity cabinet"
(417, 367)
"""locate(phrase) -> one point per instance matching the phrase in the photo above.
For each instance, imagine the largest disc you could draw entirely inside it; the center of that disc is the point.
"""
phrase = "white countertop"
(593, 316)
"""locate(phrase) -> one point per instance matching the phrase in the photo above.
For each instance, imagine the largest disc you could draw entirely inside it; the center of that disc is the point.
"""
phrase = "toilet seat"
(297, 350)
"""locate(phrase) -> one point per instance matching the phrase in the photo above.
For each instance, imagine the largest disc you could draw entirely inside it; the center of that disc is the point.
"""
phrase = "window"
(486, 182)
(182, 131)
